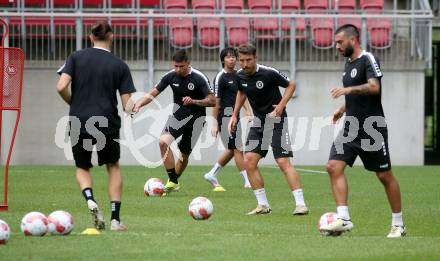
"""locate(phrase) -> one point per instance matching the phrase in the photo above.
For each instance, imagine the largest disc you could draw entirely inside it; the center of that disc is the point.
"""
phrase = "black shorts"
(277, 136)
(375, 158)
(108, 152)
(231, 141)
(190, 132)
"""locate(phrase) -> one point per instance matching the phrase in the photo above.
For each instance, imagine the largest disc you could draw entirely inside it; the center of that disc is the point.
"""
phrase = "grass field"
(161, 229)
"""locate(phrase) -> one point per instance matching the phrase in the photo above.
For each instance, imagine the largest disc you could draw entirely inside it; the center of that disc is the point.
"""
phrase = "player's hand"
(339, 91)
(214, 129)
(187, 100)
(337, 115)
(137, 106)
(232, 126)
(277, 112)
(249, 116)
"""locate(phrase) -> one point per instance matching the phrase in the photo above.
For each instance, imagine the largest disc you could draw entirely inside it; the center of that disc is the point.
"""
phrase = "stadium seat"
(93, 4)
(347, 7)
(264, 28)
(372, 5)
(8, 4)
(321, 29)
(208, 28)
(180, 30)
(122, 3)
(237, 29)
(35, 3)
(292, 6)
(64, 3)
(175, 4)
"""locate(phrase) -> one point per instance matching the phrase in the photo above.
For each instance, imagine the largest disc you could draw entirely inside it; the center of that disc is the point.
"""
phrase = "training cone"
(90, 231)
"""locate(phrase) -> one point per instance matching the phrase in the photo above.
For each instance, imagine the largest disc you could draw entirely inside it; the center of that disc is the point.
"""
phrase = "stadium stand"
(347, 7)
(237, 29)
(321, 29)
(379, 30)
(208, 28)
(292, 6)
(264, 28)
(180, 29)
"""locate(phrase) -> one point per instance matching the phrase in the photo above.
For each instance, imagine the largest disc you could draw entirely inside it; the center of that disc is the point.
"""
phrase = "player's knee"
(163, 143)
(331, 167)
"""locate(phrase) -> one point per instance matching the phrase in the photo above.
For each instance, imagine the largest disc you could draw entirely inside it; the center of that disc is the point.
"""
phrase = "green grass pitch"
(161, 229)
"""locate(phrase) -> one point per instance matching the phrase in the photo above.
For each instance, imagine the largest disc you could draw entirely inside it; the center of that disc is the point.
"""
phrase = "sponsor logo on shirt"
(353, 73)
(260, 85)
(190, 86)
(176, 84)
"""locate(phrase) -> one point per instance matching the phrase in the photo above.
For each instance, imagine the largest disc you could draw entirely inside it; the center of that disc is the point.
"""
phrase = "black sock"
(88, 194)
(172, 175)
(116, 206)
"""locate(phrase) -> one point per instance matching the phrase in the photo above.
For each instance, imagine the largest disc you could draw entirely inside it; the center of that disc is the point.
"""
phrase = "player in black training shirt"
(191, 94)
(95, 76)
(365, 133)
(260, 85)
(225, 89)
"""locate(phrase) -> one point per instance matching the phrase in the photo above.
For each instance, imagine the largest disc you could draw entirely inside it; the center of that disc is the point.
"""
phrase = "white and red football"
(34, 224)
(60, 223)
(325, 220)
(200, 208)
(5, 232)
(154, 187)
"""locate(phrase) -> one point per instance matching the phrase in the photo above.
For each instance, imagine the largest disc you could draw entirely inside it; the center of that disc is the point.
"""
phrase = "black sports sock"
(116, 206)
(172, 175)
(88, 194)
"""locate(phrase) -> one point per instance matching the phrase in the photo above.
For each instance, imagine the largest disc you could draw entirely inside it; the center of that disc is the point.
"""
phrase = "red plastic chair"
(264, 28)
(347, 7)
(321, 28)
(237, 29)
(208, 28)
(292, 6)
(180, 30)
(372, 5)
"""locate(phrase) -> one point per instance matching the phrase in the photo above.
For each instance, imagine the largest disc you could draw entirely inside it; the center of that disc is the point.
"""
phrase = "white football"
(327, 219)
(5, 232)
(60, 223)
(200, 208)
(34, 224)
(154, 187)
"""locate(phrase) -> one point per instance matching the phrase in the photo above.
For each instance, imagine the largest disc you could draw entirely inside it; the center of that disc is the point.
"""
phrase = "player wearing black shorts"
(365, 132)
(260, 85)
(225, 90)
(191, 94)
(95, 76)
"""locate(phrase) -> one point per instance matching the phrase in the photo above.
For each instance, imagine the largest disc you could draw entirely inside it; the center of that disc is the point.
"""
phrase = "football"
(326, 219)
(5, 231)
(154, 187)
(60, 223)
(34, 224)
(200, 208)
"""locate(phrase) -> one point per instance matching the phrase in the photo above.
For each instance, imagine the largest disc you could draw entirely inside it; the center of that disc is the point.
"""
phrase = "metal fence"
(145, 39)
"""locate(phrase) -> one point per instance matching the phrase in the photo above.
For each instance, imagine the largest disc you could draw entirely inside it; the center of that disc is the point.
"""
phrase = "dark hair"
(101, 30)
(349, 30)
(247, 49)
(225, 52)
(180, 56)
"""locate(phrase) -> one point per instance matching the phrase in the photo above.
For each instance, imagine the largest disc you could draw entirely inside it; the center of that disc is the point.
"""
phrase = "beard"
(348, 51)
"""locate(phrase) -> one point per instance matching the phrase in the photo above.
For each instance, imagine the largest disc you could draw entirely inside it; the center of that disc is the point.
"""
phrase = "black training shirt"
(262, 89)
(358, 72)
(97, 75)
(225, 88)
(195, 85)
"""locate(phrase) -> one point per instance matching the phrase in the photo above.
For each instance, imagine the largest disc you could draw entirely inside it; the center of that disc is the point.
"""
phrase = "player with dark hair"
(225, 89)
(260, 84)
(191, 94)
(95, 76)
(363, 108)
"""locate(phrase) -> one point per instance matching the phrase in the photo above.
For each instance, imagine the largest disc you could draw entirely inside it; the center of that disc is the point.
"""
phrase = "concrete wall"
(403, 101)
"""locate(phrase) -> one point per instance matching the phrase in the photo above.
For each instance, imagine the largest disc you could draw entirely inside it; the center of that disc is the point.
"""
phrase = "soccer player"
(363, 107)
(225, 90)
(260, 85)
(95, 76)
(191, 94)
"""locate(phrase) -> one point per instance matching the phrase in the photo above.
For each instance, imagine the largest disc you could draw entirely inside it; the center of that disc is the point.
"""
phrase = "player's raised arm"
(146, 99)
(63, 87)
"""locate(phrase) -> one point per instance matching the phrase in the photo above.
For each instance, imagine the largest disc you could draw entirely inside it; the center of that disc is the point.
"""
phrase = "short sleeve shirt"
(225, 88)
(195, 85)
(262, 89)
(97, 76)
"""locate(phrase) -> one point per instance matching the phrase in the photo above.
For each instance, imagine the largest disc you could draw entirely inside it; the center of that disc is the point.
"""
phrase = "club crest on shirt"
(190, 86)
(353, 73)
(259, 85)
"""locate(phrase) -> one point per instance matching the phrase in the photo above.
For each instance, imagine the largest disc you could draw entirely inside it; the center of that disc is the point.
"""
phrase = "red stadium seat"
(292, 6)
(180, 29)
(372, 5)
(175, 4)
(380, 33)
(151, 3)
(347, 7)
(35, 3)
(321, 28)
(237, 29)
(208, 29)
(93, 3)
(123, 3)
(264, 28)
(8, 4)
(64, 3)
